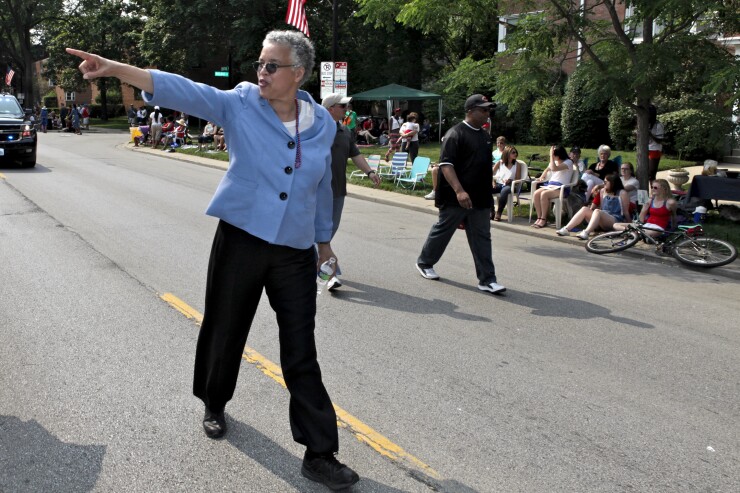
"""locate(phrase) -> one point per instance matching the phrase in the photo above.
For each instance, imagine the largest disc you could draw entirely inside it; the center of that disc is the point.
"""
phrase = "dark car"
(17, 133)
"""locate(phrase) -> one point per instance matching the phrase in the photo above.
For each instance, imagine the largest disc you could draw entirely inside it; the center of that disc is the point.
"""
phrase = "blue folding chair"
(416, 174)
(397, 167)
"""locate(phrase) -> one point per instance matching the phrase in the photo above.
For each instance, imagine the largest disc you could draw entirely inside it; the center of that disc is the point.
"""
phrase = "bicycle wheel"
(704, 252)
(613, 241)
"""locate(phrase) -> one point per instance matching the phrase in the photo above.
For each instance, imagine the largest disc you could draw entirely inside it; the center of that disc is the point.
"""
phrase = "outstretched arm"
(94, 66)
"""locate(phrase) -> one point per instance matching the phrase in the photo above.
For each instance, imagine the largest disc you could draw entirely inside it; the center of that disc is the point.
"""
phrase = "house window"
(69, 96)
(137, 94)
(51, 83)
(507, 25)
(634, 29)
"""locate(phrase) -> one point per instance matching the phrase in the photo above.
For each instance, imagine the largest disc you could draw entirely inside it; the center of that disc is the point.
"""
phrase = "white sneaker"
(427, 272)
(333, 284)
(431, 195)
(563, 232)
(492, 287)
(582, 235)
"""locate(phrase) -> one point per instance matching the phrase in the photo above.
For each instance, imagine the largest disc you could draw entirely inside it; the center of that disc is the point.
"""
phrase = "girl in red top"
(659, 214)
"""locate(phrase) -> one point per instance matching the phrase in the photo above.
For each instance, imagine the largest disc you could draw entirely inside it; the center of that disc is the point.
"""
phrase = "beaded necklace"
(297, 138)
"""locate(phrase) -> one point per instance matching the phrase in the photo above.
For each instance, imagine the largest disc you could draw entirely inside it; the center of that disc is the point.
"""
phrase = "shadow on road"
(550, 305)
(284, 464)
(364, 294)
(32, 459)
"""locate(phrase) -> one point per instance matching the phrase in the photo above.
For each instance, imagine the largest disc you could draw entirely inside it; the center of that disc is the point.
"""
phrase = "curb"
(421, 205)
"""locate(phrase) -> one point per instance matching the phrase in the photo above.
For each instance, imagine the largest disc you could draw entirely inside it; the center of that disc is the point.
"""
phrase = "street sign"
(340, 78)
(221, 74)
(333, 78)
(326, 76)
(224, 69)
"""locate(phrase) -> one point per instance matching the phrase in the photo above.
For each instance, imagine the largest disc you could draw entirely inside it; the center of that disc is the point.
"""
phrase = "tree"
(448, 45)
(18, 20)
(110, 28)
(634, 60)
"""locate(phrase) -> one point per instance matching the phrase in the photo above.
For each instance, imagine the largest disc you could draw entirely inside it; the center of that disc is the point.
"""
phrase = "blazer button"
(291, 144)
(288, 170)
(283, 196)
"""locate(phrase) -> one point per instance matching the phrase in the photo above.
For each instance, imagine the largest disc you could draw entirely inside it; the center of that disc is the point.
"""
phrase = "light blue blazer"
(261, 191)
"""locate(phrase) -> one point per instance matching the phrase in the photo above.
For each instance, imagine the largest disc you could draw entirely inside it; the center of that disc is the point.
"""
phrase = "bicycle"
(687, 244)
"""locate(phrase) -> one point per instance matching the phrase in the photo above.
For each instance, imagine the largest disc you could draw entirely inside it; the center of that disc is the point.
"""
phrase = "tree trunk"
(103, 99)
(643, 137)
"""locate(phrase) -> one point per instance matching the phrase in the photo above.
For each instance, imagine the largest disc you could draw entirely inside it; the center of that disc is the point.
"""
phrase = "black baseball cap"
(478, 101)
(577, 150)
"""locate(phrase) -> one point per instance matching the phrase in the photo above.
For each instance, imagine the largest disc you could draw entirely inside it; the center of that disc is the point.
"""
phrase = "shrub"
(584, 119)
(694, 133)
(546, 114)
(622, 125)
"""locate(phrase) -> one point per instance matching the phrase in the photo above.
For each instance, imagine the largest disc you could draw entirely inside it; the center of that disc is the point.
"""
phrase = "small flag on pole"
(9, 73)
(296, 15)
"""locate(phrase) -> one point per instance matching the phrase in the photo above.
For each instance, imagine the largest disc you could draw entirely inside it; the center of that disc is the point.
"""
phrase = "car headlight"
(27, 131)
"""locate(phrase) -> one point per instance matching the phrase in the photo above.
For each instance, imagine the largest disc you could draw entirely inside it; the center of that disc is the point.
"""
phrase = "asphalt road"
(590, 374)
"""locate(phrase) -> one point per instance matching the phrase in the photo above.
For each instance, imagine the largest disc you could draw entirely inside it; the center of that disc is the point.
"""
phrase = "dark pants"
(503, 197)
(478, 230)
(241, 265)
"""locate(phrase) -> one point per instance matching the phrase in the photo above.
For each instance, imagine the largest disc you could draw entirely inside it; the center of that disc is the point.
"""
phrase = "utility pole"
(334, 31)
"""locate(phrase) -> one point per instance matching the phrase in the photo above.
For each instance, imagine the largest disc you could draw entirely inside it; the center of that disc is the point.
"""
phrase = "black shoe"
(214, 424)
(329, 471)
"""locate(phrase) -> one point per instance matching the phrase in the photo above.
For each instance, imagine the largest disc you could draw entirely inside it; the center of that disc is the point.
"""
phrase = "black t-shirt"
(609, 168)
(469, 151)
(342, 149)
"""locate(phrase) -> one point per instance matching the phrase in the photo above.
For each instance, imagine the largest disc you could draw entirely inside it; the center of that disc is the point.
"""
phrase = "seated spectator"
(168, 128)
(575, 156)
(383, 139)
(560, 170)
(508, 168)
(178, 133)
(426, 130)
(499, 150)
(610, 206)
(140, 139)
(631, 185)
(596, 173)
(219, 140)
(366, 131)
(658, 215)
(207, 137)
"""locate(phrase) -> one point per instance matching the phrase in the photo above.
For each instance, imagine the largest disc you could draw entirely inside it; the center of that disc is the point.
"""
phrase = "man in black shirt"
(464, 195)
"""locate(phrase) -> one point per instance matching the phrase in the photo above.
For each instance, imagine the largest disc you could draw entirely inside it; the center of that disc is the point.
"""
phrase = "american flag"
(296, 15)
(9, 73)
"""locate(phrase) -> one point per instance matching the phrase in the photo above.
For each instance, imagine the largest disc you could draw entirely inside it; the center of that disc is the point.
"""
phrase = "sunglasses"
(270, 67)
(341, 105)
(655, 188)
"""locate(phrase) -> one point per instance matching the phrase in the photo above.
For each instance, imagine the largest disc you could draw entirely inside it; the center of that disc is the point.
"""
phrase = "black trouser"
(241, 265)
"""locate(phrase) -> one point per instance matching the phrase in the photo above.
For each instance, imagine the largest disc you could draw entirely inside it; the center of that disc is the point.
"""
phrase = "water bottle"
(326, 271)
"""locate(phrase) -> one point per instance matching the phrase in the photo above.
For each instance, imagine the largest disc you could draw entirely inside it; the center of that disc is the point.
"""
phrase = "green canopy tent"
(396, 92)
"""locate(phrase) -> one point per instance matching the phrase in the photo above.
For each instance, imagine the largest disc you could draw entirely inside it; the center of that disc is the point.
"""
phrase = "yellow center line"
(360, 430)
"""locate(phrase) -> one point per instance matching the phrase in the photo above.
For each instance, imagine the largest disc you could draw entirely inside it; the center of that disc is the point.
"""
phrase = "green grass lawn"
(714, 225)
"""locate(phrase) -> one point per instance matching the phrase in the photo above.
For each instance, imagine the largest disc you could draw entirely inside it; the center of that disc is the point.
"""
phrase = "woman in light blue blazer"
(274, 203)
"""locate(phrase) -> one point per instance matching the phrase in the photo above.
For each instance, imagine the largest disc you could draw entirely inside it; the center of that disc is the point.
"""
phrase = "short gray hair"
(301, 49)
(606, 149)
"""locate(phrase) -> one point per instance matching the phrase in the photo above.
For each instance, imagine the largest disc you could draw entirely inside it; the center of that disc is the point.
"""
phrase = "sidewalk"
(519, 225)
